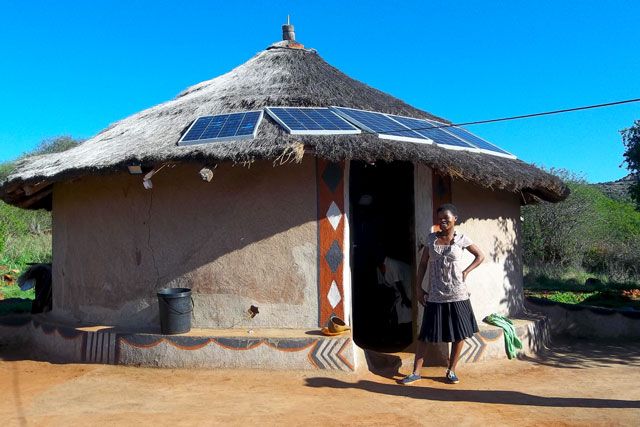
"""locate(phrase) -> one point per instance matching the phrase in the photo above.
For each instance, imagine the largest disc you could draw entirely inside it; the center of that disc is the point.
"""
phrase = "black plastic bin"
(176, 308)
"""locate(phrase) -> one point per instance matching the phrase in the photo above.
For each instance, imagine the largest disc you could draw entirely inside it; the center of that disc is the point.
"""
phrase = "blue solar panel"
(222, 127)
(429, 130)
(478, 142)
(197, 128)
(311, 121)
(380, 124)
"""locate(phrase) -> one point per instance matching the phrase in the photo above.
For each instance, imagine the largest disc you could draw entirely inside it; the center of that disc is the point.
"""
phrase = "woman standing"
(448, 316)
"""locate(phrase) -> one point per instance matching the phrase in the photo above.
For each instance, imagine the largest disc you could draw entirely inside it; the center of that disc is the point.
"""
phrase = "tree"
(5, 170)
(558, 234)
(46, 146)
(631, 139)
(55, 145)
(589, 232)
(17, 222)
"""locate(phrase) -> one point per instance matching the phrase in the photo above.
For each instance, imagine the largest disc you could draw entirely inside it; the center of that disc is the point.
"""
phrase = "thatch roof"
(278, 76)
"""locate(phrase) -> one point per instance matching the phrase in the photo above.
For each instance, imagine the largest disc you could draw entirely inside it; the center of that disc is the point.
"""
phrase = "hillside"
(617, 190)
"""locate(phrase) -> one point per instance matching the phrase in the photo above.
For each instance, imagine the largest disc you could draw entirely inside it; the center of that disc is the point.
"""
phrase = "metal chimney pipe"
(288, 32)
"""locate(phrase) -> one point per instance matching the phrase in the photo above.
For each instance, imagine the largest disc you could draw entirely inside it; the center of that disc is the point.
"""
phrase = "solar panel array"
(337, 121)
(311, 121)
(380, 124)
(389, 126)
(429, 130)
(482, 145)
(222, 127)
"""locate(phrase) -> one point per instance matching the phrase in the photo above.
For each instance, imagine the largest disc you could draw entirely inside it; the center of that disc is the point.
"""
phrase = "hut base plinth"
(286, 349)
(289, 349)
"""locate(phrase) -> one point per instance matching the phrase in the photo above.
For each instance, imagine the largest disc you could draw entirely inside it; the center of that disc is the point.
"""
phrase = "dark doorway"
(382, 211)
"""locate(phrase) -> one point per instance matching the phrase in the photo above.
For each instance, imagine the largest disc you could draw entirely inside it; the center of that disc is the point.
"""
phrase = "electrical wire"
(523, 116)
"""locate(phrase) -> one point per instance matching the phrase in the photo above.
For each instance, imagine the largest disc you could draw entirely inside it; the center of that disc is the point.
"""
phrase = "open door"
(382, 232)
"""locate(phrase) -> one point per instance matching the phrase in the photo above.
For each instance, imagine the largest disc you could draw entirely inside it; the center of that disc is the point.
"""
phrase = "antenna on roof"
(288, 32)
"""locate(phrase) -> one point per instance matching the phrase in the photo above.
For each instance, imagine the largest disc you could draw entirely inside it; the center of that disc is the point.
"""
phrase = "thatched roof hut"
(293, 234)
(285, 74)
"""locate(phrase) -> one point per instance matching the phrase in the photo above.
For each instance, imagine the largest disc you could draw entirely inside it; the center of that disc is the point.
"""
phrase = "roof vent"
(288, 39)
(288, 32)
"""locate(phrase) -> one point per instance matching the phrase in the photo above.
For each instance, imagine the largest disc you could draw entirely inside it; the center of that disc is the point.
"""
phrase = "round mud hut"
(276, 224)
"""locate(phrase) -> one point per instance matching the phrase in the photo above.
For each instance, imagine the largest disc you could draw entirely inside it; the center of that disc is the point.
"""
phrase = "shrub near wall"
(558, 234)
(3, 236)
(589, 231)
(25, 235)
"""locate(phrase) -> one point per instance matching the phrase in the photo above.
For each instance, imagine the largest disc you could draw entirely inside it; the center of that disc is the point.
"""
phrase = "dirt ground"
(576, 383)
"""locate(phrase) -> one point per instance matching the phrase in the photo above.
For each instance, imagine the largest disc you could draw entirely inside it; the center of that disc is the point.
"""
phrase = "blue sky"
(72, 68)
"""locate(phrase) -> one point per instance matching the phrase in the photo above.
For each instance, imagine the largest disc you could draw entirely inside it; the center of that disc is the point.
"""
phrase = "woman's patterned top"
(445, 269)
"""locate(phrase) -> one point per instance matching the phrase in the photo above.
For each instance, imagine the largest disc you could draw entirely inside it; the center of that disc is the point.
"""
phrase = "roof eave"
(35, 192)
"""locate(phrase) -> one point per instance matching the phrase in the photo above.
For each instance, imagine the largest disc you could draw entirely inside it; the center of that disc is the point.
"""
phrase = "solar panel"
(482, 145)
(380, 124)
(222, 127)
(311, 121)
(429, 130)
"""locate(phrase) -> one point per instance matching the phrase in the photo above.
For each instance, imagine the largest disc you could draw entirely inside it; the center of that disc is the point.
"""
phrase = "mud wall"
(248, 237)
(587, 322)
(492, 220)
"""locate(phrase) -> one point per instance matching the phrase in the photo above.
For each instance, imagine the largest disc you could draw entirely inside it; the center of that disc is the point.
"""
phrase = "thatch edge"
(540, 186)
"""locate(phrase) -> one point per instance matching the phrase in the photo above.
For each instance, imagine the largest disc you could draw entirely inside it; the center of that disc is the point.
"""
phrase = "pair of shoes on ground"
(451, 377)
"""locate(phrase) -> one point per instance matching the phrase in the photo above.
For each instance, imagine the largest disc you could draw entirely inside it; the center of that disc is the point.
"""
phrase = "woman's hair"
(448, 207)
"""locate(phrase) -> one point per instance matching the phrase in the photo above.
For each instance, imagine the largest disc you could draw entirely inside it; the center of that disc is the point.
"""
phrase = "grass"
(19, 251)
(573, 280)
(29, 248)
(573, 287)
(13, 291)
(564, 297)
(606, 299)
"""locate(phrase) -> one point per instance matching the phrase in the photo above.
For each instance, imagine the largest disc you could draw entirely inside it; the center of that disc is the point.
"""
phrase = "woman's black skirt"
(448, 322)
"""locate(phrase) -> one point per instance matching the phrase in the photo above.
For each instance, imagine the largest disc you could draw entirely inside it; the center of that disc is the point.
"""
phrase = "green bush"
(589, 231)
(571, 297)
(5, 170)
(25, 235)
(558, 234)
(14, 291)
(21, 250)
(631, 140)
(18, 221)
(596, 259)
(3, 236)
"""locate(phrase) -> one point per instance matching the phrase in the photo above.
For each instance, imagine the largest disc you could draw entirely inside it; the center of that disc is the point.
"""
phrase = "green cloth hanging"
(511, 341)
